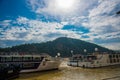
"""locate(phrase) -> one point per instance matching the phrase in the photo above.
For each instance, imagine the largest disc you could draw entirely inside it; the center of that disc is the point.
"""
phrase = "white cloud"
(22, 20)
(13, 33)
(50, 7)
(113, 46)
(103, 20)
(105, 7)
(103, 37)
(104, 15)
(5, 23)
(99, 16)
(35, 30)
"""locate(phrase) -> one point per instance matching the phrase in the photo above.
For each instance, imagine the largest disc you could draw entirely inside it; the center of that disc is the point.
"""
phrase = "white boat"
(31, 63)
(95, 60)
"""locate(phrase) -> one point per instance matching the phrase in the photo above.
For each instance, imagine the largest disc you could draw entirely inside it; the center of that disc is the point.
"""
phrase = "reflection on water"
(75, 73)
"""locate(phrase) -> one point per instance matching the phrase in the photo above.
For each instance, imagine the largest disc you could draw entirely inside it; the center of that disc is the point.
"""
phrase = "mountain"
(62, 45)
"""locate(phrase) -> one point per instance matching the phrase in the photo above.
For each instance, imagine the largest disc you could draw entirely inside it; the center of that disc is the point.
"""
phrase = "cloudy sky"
(35, 21)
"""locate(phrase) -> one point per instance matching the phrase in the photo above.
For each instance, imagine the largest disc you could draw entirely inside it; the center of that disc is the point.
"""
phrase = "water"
(75, 73)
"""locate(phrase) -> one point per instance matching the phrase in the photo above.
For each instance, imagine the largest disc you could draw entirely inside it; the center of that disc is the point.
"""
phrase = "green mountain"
(61, 45)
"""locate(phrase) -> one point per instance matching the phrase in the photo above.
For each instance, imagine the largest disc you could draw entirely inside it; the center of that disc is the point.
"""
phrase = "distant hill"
(62, 45)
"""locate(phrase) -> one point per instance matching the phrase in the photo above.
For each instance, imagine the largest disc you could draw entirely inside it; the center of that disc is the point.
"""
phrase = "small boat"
(32, 63)
(95, 60)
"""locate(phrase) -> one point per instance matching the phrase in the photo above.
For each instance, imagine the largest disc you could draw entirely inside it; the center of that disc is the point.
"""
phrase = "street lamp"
(72, 52)
(58, 54)
(96, 49)
(85, 51)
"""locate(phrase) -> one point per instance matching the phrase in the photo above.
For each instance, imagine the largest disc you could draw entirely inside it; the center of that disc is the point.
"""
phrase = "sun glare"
(65, 4)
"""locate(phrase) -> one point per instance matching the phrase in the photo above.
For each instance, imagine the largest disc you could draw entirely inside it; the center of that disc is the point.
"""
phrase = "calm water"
(75, 73)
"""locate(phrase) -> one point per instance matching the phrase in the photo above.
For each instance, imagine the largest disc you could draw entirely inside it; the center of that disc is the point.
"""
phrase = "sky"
(36, 21)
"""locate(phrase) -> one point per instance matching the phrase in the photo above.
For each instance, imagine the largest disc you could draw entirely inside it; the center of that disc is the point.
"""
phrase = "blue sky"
(35, 21)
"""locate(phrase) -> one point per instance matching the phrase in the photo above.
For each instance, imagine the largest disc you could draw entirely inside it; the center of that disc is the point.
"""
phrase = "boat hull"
(48, 65)
(89, 65)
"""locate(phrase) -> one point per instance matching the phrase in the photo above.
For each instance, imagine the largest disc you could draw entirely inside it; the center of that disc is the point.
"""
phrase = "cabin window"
(117, 60)
(36, 58)
(3, 59)
(110, 60)
(116, 56)
(27, 58)
(91, 57)
(110, 56)
(114, 60)
(113, 56)
(17, 58)
(8, 59)
(75, 58)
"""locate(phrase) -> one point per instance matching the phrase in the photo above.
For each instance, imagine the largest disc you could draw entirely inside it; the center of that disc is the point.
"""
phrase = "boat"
(95, 60)
(8, 72)
(32, 63)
